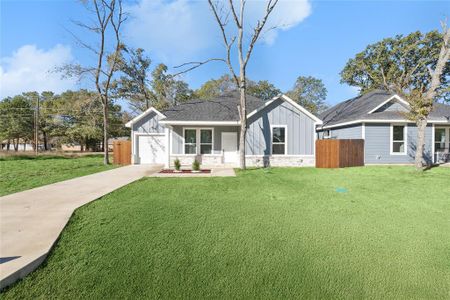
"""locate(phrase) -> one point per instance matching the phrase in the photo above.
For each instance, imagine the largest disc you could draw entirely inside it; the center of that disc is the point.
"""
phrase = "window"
(198, 140)
(190, 141)
(439, 139)
(206, 137)
(278, 140)
(398, 139)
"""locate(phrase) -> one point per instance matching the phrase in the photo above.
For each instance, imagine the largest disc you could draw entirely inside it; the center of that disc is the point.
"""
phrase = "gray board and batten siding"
(149, 124)
(377, 141)
(299, 126)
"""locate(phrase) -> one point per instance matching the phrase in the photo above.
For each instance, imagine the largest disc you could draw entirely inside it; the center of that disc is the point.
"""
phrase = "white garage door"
(151, 149)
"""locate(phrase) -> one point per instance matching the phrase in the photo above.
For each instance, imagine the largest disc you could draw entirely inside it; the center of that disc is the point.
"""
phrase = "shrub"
(196, 165)
(177, 164)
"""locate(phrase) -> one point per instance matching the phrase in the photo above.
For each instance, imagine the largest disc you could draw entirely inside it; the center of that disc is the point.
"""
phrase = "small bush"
(196, 165)
(177, 164)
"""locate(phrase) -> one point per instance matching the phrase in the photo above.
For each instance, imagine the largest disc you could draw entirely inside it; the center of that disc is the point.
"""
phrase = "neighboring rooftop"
(358, 108)
(221, 108)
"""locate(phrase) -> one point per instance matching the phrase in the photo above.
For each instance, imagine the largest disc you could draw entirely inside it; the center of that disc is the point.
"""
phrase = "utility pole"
(36, 126)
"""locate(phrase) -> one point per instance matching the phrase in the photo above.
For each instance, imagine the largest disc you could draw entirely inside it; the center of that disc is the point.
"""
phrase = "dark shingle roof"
(221, 108)
(355, 108)
(441, 111)
(359, 107)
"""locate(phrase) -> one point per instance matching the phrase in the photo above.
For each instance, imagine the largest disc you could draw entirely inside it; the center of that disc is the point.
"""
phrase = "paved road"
(31, 221)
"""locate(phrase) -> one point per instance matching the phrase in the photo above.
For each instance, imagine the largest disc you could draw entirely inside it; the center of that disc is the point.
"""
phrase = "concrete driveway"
(31, 221)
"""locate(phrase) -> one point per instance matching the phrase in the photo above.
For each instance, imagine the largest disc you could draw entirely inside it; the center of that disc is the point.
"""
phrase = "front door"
(229, 147)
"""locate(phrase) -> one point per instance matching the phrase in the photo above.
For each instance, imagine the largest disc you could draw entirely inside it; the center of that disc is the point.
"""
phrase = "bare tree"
(221, 16)
(108, 17)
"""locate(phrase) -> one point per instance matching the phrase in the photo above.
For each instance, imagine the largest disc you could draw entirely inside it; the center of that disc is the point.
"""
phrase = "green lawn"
(374, 232)
(26, 172)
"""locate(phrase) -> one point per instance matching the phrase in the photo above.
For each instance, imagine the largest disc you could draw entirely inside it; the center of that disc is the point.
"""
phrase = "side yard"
(371, 232)
(21, 173)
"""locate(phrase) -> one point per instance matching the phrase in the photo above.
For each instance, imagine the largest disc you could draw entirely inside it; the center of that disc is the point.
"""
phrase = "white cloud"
(169, 28)
(286, 15)
(182, 29)
(31, 69)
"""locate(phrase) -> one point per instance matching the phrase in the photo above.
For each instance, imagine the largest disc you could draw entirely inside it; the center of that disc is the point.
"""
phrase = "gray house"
(280, 133)
(380, 119)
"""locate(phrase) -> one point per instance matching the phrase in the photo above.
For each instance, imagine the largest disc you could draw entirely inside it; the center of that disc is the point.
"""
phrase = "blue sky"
(318, 39)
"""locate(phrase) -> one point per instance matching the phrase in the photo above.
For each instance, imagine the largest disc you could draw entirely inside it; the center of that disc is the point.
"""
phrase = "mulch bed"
(170, 171)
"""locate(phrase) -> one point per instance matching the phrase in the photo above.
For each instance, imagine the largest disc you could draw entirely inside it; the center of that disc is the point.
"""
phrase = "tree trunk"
(105, 133)
(16, 145)
(45, 140)
(243, 117)
(8, 145)
(421, 126)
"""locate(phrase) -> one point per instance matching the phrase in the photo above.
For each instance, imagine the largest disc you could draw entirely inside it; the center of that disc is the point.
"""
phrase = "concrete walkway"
(31, 221)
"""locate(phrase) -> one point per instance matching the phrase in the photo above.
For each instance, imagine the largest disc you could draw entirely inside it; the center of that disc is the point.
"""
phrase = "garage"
(151, 149)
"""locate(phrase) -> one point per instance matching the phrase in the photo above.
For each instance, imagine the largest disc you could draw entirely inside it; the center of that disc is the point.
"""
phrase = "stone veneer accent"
(207, 160)
(252, 161)
(281, 161)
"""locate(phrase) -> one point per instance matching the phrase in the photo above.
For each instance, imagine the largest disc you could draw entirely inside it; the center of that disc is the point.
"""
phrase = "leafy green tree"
(16, 120)
(81, 120)
(46, 114)
(309, 92)
(166, 89)
(142, 88)
(415, 66)
(74, 117)
(216, 87)
(262, 89)
(134, 84)
(399, 64)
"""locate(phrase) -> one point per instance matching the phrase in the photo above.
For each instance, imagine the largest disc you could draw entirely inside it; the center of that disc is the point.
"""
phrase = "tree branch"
(228, 44)
(260, 25)
(196, 65)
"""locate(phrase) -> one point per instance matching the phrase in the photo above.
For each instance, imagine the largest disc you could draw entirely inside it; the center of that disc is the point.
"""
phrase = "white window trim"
(184, 140)
(285, 139)
(327, 137)
(447, 137)
(405, 139)
(198, 140)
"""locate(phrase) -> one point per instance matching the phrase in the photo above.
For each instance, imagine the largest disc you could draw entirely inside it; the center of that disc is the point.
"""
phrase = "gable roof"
(290, 101)
(220, 108)
(151, 109)
(364, 108)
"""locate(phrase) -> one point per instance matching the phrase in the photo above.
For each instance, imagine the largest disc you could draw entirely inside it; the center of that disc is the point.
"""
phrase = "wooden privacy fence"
(122, 152)
(339, 153)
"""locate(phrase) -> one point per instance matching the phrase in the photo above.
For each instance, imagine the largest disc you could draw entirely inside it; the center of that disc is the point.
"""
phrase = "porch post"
(168, 133)
(433, 133)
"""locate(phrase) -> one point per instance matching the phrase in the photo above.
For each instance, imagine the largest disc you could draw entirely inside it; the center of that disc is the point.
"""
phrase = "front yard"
(19, 173)
(373, 232)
